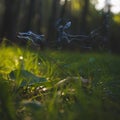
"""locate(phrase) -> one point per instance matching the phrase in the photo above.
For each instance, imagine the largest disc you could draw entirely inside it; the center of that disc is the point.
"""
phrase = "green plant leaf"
(27, 77)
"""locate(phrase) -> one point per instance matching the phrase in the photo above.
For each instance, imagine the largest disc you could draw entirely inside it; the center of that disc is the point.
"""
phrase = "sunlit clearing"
(115, 6)
(100, 4)
(62, 2)
(117, 19)
(75, 5)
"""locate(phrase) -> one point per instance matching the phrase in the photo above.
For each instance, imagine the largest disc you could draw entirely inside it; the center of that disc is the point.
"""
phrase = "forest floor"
(58, 85)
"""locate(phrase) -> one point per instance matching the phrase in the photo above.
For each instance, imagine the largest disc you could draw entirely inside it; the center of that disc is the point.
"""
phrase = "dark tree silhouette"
(106, 23)
(29, 15)
(52, 20)
(63, 10)
(38, 16)
(10, 19)
(84, 16)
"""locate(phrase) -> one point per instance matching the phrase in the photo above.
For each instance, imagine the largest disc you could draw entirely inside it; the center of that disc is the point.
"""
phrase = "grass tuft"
(57, 85)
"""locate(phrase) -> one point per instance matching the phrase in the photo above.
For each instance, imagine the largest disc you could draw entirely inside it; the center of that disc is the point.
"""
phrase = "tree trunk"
(10, 19)
(38, 16)
(51, 25)
(84, 17)
(106, 24)
(29, 16)
(63, 9)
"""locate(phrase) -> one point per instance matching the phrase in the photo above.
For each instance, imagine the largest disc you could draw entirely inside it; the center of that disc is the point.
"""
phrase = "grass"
(57, 85)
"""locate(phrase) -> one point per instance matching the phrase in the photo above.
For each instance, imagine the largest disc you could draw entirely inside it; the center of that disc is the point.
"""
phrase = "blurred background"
(40, 16)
